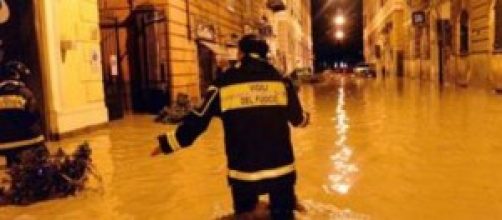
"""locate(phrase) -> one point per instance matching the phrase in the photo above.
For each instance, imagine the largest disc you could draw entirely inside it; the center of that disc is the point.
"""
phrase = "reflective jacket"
(19, 116)
(256, 105)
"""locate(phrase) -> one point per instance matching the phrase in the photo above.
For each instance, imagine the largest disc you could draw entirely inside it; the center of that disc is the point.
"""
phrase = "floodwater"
(376, 149)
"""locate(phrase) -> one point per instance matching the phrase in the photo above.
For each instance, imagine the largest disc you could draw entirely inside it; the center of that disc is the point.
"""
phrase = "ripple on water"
(313, 210)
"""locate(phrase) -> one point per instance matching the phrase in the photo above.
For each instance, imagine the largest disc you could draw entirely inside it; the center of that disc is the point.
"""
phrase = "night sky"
(327, 49)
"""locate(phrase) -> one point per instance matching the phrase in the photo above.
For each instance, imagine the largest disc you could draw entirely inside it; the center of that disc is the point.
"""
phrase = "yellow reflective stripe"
(255, 55)
(262, 174)
(207, 104)
(23, 143)
(12, 102)
(12, 82)
(253, 94)
(173, 141)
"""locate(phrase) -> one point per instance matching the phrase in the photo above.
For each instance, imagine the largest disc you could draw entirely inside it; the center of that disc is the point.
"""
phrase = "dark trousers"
(282, 201)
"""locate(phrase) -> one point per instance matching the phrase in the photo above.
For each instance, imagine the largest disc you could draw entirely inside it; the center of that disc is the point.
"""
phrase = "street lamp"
(340, 20)
(339, 35)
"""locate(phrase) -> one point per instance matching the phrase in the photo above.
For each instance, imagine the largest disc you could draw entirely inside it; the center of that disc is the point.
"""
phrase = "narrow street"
(375, 150)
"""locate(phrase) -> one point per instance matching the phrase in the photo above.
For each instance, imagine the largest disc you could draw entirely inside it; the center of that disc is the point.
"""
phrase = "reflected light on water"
(341, 180)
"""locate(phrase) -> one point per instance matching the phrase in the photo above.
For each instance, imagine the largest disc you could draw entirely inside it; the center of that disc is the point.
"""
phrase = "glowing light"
(339, 35)
(341, 188)
(340, 20)
(342, 179)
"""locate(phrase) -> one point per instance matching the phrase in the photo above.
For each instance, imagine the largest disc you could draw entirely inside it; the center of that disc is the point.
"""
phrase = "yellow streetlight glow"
(339, 20)
(339, 35)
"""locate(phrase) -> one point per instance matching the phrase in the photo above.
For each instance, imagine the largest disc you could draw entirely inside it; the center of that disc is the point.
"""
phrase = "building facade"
(97, 60)
(292, 41)
(384, 35)
(446, 41)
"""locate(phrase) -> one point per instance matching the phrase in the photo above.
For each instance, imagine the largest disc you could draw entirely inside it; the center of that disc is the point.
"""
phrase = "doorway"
(207, 66)
(400, 64)
(147, 43)
(134, 42)
(113, 79)
(444, 36)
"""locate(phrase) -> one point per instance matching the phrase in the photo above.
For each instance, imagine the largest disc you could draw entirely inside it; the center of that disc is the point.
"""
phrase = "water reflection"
(344, 171)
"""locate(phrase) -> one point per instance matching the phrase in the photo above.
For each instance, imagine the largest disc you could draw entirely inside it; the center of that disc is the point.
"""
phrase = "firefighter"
(19, 116)
(256, 105)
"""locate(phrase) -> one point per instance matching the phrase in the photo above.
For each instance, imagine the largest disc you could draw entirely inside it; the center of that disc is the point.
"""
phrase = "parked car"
(365, 70)
(342, 68)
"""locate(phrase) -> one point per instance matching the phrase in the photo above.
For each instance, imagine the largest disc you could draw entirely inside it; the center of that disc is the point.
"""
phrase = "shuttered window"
(498, 26)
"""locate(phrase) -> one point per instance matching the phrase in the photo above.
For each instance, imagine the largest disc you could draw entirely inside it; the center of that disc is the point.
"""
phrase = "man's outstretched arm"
(191, 127)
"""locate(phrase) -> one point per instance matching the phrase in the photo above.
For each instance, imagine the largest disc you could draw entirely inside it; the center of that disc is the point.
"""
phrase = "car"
(365, 70)
(342, 68)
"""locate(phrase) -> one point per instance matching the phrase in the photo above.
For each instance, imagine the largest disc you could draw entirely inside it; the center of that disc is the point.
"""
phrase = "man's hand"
(306, 120)
(307, 114)
(156, 152)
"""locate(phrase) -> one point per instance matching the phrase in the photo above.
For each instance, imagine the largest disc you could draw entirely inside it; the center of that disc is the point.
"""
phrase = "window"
(464, 32)
(498, 26)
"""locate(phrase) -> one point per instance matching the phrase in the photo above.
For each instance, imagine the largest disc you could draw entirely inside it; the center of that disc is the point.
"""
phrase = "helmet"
(14, 70)
(253, 44)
